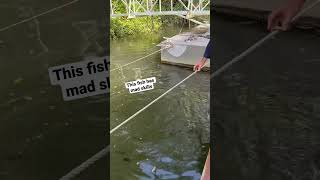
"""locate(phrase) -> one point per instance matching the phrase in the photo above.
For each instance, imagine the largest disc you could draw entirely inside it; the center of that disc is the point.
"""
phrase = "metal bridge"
(134, 8)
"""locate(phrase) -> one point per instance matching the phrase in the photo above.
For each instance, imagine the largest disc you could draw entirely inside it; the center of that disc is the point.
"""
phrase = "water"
(163, 142)
(266, 108)
(42, 136)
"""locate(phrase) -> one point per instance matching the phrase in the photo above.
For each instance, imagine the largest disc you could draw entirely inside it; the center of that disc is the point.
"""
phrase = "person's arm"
(207, 52)
(281, 18)
(199, 64)
(206, 56)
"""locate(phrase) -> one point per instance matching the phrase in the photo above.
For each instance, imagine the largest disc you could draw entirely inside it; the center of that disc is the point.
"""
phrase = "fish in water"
(154, 169)
(127, 159)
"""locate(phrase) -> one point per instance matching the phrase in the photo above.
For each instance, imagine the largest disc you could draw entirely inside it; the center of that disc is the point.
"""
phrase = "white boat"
(186, 48)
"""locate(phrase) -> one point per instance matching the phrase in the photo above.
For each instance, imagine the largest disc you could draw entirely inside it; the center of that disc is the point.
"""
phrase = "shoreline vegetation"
(123, 27)
(132, 27)
(135, 27)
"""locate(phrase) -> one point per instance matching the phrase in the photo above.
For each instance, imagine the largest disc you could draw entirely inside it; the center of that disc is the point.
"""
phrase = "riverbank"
(123, 27)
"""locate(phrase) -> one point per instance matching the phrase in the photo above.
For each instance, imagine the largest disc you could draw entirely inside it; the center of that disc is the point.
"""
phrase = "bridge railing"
(133, 8)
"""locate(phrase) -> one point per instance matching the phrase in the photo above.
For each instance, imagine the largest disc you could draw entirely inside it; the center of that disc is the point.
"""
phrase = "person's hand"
(281, 18)
(199, 64)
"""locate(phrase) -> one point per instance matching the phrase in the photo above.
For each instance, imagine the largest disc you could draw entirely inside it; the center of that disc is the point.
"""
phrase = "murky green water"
(42, 136)
(266, 107)
(163, 142)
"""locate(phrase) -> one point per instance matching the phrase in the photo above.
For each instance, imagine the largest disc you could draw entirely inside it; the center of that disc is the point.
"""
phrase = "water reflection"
(42, 136)
(163, 142)
(266, 108)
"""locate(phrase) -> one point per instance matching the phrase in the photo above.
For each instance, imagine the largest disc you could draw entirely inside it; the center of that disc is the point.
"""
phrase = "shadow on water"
(42, 136)
(163, 142)
(266, 108)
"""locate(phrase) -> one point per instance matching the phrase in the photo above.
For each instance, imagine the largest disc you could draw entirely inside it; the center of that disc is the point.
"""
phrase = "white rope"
(41, 14)
(103, 152)
(152, 102)
(139, 59)
(76, 171)
(259, 43)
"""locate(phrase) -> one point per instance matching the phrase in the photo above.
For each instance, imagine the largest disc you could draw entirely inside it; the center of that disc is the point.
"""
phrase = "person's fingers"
(276, 28)
(270, 21)
(195, 68)
(273, 23)
(277, 24)
(199, 67)
(272, 18)
(286, 22)
(275, 20)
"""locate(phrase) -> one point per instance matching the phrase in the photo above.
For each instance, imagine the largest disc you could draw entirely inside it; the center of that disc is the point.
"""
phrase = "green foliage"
(123, 27)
